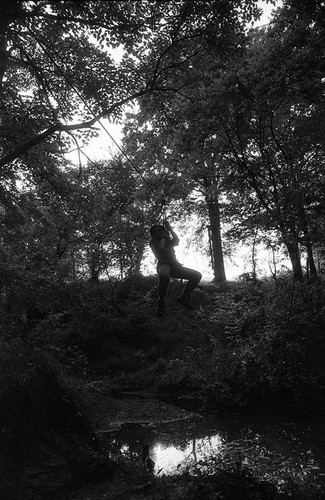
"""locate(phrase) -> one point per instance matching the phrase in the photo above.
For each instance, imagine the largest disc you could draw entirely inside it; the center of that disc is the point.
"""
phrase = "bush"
(42, 427)
(269, 344)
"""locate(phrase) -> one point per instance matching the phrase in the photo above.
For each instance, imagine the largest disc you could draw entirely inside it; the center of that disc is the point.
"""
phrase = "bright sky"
(267, 11)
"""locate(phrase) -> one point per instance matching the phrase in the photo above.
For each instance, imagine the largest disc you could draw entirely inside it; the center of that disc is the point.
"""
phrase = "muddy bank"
(108, 408)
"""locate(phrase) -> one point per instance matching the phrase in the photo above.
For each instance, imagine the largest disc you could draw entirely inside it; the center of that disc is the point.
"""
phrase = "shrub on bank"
(269, 346)
(45, 440)
(245, 343)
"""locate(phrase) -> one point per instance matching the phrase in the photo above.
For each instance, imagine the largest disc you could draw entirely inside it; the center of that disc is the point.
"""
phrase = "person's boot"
(161, 309)
(185, 301)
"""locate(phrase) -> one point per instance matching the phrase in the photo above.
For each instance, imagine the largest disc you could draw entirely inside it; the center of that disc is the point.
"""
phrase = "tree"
(58, 77)
(111, 208)
(51, 68)
(254, 110)
(271, 109)
(165, 130)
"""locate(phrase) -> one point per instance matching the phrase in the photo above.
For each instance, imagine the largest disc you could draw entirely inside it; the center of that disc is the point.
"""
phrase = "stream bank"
(213, 455)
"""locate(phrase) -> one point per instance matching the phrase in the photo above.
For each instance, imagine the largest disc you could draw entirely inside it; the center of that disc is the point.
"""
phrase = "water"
(277, 449)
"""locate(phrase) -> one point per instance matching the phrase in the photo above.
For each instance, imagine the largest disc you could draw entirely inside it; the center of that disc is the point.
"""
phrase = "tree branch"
(37, 139)
(60, 127)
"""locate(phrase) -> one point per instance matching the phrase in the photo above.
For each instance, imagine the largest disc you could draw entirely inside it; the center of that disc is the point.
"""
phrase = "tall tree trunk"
(311, 267)
(139, 257)
(215, 238)
(94, 266)
(254, 263)
(73, 265)
(3, 42)
(294, 254)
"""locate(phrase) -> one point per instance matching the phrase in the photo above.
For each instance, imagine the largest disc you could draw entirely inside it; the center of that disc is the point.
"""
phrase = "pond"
(274, 448)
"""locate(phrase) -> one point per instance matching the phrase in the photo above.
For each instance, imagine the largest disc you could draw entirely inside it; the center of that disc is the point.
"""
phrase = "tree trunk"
(215, 239)
(139, 257)
(254, 263)
(3, 41)
(311, 267)
(73, 265)
(94, 266)
(294, 254)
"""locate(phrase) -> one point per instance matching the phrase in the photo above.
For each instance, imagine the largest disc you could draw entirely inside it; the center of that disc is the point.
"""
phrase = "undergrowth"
(45, 440)
(246, 345)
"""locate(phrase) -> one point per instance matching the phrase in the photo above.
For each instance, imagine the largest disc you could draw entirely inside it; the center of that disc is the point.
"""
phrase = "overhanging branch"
(37, 139)
(61, 127)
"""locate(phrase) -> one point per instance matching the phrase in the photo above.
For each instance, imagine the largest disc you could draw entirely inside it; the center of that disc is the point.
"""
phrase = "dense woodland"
(223, 120)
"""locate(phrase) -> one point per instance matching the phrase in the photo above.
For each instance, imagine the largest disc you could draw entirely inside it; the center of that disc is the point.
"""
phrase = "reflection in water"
(171, 459)
(274, 450)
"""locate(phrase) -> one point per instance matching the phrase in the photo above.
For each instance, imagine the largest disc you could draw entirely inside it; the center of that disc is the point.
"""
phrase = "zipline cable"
(74, 88)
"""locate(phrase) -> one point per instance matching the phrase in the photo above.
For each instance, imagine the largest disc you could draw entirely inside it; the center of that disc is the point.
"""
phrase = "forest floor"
(95, 365)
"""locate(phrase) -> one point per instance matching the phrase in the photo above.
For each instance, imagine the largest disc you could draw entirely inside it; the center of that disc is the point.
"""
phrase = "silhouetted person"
(162, 243)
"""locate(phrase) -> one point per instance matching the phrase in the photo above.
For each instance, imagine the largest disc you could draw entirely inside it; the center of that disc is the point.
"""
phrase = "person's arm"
(172, 232)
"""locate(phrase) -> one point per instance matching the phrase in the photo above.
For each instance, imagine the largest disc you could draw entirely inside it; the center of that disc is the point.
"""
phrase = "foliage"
(227, 124)
(180, 60)
(248, 345)
(56, 68)
(269, 332)
(43, 432)
(253, 147)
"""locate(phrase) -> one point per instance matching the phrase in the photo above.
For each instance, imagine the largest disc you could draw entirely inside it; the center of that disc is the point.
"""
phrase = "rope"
(163, 210)
(74, 88)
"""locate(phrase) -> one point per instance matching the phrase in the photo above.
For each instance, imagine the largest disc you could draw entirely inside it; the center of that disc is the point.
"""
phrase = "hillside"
(96, 356)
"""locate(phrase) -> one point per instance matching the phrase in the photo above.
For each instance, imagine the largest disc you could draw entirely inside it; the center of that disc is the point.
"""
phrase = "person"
(163, 240)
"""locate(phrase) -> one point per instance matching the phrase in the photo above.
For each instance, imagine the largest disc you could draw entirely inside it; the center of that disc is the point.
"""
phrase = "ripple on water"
(275, 449)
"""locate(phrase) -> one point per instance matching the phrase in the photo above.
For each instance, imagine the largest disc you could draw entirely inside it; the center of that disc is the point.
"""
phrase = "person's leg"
(193, 278)
(164, 273)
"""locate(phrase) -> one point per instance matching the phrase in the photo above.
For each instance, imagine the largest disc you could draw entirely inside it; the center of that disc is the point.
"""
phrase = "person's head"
(157, 231)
